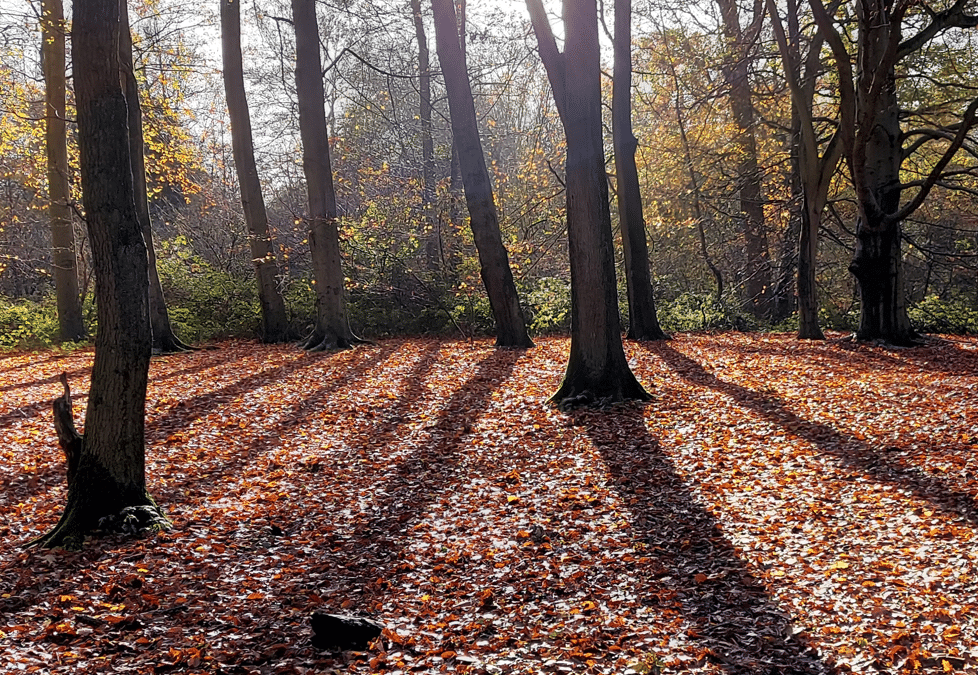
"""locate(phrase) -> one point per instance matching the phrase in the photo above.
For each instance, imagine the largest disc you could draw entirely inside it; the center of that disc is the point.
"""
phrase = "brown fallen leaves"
(779, 507)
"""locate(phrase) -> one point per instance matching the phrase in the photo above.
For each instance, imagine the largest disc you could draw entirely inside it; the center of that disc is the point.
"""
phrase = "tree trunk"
(332, 330)
(164, 339)
(737, 76)
(808, 326)
(597, 371)
(483, 219)
(275, 325)
(70, 322)
(643, 324)
(431, 234)
(110, 473)
(877, 263)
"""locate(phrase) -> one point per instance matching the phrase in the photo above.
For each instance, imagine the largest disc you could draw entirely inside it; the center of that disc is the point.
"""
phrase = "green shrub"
(28, 324)
(694, 311)
(954, 315)
(549, 305)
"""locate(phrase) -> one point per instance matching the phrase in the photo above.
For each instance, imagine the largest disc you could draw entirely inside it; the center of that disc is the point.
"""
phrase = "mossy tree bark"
(597, 371)
(497, 276)
(164, 339)
(275, 324)
(643, 323)
(70, 322)
(110, 473)
(332, 329)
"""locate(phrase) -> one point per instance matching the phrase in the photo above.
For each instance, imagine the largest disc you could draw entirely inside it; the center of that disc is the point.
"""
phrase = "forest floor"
(778, 507)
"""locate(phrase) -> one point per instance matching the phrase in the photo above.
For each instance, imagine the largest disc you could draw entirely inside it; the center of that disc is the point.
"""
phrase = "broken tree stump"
(64, 424)
(338, 632)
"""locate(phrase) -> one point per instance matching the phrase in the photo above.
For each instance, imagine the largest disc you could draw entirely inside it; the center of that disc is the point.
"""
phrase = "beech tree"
(106, 465)
(815, 167)
(70, 322)
(643, 324)
(332, 329)
(164, 339)
(275, 325)
(597, 370)
(876, 147)
(736, 72)
(483, 218)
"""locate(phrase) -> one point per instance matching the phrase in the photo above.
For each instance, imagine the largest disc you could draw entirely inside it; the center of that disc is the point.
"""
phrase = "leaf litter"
(779, 507)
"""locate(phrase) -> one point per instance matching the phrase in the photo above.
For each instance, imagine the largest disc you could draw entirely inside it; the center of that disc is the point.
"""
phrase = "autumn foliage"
(778, 507)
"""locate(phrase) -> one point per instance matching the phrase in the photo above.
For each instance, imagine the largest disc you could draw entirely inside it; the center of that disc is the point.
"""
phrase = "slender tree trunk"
(643, 324)
(597, 370)
(332, 330)
(275, 325)
(164, 339)
(737, 75)
(483, 219)
(70, 322)
(431, 234)
(109, 472)
(808, 324)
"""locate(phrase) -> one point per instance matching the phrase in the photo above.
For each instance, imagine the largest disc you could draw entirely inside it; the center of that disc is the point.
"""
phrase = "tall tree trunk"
(737, 76)
(483, 219)
(275, 325)
(643, 324)
(109, 472)
(877, 263)
(164, 339)
(70, 323)
(597, 370)
(431, 234)
(332, 329)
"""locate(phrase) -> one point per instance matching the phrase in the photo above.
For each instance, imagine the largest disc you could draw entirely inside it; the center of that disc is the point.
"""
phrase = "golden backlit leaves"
(780, 506)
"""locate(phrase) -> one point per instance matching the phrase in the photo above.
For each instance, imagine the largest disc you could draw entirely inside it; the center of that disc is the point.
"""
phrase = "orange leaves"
(760, 503)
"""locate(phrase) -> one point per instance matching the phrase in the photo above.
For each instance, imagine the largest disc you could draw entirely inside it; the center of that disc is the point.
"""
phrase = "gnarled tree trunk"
(483, 219)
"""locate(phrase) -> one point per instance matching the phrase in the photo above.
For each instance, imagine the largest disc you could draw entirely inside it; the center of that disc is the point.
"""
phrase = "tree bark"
(597, 371)
(332, 329)
(275, 325)
(164, 339)
(737, 76)
(431, 234)
(483, 218)
(70, 322)
(643, 323)
(110, 473)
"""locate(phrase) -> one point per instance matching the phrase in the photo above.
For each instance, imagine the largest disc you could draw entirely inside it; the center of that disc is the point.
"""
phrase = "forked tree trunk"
(164, 339)
(643, 324)
(70, 322)
(275, 325)
(332, 329)
(483, 219)
(109, 474)
(597, 370)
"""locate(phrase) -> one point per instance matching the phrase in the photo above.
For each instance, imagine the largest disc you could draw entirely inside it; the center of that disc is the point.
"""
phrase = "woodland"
(602, 339)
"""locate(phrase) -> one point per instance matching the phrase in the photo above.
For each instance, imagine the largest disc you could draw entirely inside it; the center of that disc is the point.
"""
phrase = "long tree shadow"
(84, 370)
(418, 479)
(198, 366)
(734, 621)
(847, 450)
(187, 411)
(32, 362)
(936, 356)
(299, 414)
